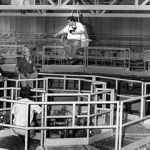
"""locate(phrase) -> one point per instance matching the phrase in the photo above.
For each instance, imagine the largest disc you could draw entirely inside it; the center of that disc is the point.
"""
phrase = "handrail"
(91, 79)
(132, 122)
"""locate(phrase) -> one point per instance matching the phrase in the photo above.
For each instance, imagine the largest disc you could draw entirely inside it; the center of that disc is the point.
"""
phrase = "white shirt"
(20, 112)
(79, 28)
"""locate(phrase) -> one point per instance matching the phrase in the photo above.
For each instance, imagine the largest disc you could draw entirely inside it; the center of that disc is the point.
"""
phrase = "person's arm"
(35, 72)
(58, 33)
(37, 109)
(64, 30)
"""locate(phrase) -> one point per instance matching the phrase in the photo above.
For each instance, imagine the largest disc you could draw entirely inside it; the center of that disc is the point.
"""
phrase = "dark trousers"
(71, 47)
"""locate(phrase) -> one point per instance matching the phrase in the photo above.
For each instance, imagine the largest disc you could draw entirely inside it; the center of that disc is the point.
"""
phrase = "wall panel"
(40, 25)
(5, 24)
(145, 27)
(12, 24)
(18, 24)
(53, 25)
(131, 31)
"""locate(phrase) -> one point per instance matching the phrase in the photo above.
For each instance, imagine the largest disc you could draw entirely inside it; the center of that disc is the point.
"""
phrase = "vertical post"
(117, 127)
(65, 82)
(74, 114)
(116, 89)
(45, 116)
(36, 86)
(42, 122)
(93, 85)
(26, 127)
(59, 2)
(12, 93)
(95, 109)
(142, 101)
(16, 92)
(88, 117)
(79, 86)
(112, 107)
(86, 56)
(5, 93)
(120, 124)
(136, 3)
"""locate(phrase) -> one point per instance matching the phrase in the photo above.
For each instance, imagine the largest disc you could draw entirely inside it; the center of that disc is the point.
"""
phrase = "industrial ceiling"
(88, 8)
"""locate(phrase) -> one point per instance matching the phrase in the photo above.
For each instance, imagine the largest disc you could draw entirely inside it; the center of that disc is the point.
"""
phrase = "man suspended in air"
(72, 35)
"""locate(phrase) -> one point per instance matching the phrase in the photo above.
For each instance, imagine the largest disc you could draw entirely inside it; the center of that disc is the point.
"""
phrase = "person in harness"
(72, 35)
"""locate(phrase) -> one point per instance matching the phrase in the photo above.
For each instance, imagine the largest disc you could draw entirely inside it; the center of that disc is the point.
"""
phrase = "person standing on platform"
(26, 69)
(72, 35)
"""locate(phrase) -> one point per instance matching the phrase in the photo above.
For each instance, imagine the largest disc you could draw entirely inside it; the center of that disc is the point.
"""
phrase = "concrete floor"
(14, 143)
(131, 134)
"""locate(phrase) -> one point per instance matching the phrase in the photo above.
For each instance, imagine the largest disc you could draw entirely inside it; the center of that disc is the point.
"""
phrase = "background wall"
(22, 24)
(123, 32)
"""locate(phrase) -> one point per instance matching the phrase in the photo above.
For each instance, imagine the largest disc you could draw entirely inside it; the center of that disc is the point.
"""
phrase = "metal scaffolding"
(95, 8)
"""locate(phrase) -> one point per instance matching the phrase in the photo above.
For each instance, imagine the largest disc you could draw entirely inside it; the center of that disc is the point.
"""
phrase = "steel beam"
(145, 2)
(65, 2)
(85, 4)
(110, 15)
(73, 7)
(113, 2)
(61, 8)
(52, 2)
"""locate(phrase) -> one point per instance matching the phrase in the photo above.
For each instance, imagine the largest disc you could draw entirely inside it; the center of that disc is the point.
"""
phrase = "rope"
(78, 11)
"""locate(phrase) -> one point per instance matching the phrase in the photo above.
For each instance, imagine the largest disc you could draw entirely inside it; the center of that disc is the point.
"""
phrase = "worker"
(26, 69)
(72, 35)
(19, 112)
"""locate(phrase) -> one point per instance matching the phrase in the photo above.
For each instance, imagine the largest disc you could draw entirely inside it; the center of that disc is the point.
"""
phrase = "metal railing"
(90, 115)
(95, 96)
(96, 56)
(129, 123)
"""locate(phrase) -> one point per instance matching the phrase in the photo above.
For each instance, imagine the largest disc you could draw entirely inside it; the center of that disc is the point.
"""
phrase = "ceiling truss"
(89, 8)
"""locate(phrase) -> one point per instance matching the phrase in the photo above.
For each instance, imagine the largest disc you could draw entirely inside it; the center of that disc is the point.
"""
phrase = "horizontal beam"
(111, 15)
(74, 7)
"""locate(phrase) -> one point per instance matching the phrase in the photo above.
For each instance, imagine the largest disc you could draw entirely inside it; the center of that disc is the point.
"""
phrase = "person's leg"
(67, 46)
(30, 82)
(76, 44)
(71, 47)
(23, 83)
(21, 142)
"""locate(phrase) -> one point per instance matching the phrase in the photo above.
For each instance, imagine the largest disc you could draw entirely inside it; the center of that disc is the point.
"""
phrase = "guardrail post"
(120, 124)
